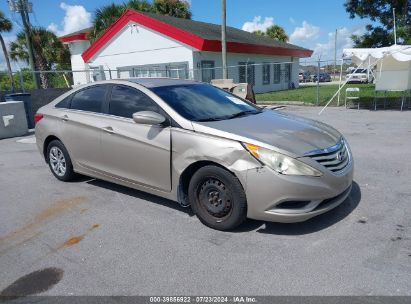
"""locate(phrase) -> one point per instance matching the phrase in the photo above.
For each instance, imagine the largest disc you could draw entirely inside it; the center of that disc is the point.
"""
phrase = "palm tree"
(107, 15)
(6, 26)
(277, 32)
(49, 52)
(104, 17)
(259, 33)
(174, 8)
(140, 5)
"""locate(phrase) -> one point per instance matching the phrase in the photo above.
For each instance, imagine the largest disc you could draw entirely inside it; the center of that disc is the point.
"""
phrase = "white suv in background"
(359, 76)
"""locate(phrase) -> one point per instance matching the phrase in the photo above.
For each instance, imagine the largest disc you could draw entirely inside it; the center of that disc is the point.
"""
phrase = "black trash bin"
(26, 98)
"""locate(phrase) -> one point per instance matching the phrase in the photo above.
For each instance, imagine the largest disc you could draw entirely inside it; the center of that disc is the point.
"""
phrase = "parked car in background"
(359, 76)
(198, 145)
(324, 77)
(304, 77)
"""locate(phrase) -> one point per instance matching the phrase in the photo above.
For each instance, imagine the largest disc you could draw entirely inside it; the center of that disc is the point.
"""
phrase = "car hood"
(286, 133)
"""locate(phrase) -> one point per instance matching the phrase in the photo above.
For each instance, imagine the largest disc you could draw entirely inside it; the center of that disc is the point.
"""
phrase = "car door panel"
(82, 126)
(81, 134)
(136, 152)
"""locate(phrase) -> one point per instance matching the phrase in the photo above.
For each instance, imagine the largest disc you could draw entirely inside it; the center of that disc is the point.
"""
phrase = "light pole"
(335, 50)
(223, 39)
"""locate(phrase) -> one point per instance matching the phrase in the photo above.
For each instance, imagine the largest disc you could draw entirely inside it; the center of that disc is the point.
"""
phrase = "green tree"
(175, 8)
(259, 33)
(6, 26)
(275, 32)
(105, 16)
(380, 12)
(49, 52)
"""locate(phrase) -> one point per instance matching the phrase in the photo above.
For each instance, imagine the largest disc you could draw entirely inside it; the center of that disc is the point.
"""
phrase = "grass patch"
(308, 94)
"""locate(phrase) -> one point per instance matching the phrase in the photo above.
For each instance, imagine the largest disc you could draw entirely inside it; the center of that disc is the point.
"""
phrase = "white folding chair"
(352, 94)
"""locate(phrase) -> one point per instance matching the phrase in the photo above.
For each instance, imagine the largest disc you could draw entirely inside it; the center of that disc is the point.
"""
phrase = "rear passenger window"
(126, 101)
(65, 103)
(90, 99)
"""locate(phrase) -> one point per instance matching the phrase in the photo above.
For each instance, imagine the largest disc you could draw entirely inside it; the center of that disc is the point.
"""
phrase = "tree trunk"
(41, 65)
(6, 56)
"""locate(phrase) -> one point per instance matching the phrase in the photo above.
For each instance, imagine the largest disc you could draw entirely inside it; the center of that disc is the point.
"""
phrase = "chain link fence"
(276, 81)
(254, 73)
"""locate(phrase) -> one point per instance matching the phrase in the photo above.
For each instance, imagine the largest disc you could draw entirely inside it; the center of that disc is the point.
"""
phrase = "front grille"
(335, 158)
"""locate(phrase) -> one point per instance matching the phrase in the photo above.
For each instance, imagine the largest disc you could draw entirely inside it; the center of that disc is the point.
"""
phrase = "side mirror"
(148, 118)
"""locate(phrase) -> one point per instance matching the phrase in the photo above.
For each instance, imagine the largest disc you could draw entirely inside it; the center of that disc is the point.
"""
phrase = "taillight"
(37, 117)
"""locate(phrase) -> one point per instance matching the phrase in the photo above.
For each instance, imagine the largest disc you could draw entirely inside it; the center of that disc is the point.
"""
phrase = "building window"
(246, 75)
(266, 73)
(277, 73)
(177, 71)
(287, 72)
(207, 70)
(147, 71)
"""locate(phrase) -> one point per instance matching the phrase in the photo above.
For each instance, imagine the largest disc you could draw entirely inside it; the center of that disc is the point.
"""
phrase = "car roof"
(161, 82)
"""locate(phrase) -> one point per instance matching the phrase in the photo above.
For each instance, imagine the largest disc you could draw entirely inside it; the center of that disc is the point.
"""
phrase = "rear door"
(81, 126)
(135, 152)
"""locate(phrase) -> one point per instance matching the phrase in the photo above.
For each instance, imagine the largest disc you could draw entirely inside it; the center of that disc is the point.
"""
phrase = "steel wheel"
(57, 161)
(215, 198)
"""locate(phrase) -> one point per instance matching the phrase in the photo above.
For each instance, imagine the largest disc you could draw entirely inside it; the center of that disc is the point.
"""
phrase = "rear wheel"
(59, 161)
(217, 198)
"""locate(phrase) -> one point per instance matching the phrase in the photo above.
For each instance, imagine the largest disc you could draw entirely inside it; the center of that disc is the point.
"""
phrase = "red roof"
(199, 35)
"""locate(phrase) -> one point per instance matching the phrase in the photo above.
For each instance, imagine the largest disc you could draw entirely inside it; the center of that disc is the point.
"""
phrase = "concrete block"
(13, 121)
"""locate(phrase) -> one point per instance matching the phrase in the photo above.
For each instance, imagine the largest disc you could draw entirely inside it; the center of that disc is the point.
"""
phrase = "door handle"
(108, 130)
(64, 117)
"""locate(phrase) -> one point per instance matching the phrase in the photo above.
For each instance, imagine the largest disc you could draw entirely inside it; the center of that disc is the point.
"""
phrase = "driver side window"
(125, 101)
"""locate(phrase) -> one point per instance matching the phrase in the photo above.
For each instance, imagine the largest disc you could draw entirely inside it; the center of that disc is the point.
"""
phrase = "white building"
(150, 45)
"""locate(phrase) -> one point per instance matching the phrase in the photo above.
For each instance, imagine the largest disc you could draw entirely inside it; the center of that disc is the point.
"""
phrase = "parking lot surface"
(91, 237)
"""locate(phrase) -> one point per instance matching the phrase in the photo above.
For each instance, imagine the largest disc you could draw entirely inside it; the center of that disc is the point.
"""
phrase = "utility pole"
(24, 7)
(223, 38)
(395, 27)
(335, 52)
(318, 81)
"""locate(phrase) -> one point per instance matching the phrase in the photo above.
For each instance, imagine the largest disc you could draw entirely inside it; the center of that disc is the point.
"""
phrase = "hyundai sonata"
(198, 145)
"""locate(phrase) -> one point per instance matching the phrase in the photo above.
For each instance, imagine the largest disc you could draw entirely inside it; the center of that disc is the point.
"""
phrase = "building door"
(287, 73)
(207, 70)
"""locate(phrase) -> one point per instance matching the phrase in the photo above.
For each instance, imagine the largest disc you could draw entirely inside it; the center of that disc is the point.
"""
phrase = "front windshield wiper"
(239, 114)
(243, 113)
(210, 119)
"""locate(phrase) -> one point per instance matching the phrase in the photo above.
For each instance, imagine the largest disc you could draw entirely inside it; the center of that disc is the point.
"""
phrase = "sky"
(310, 24)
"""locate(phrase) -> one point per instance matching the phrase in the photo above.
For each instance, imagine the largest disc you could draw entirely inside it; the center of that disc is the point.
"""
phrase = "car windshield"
(203, 102)
(360, 71)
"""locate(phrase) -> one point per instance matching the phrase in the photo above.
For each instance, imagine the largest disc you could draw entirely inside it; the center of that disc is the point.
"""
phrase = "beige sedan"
(198, 145)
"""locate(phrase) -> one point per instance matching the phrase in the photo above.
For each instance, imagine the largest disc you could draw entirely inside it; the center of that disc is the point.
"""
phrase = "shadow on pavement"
(140, 195)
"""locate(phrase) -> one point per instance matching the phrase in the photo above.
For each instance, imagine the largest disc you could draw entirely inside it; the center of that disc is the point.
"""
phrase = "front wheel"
(217, 198)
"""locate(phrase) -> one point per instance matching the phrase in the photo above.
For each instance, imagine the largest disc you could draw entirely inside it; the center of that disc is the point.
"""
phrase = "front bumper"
(288, 199)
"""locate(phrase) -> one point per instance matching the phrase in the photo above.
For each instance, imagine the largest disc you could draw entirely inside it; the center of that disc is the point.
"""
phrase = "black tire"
(217, 198)
(68, 173)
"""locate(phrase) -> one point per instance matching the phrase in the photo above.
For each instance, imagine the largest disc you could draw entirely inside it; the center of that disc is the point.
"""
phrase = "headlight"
(281, 163)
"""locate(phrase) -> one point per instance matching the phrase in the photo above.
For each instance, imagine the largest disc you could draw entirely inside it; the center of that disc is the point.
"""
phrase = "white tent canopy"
(393, 65)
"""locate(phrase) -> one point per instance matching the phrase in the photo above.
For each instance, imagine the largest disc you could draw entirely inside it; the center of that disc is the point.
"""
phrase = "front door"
(134, 152)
